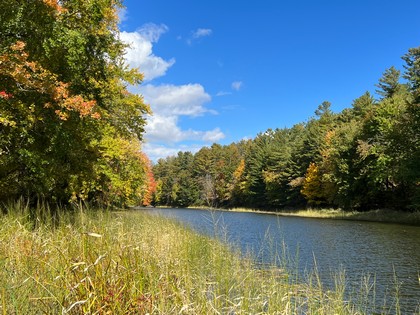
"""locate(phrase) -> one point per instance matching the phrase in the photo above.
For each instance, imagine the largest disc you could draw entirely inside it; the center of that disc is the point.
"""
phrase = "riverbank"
(384, 216)
(100, 262)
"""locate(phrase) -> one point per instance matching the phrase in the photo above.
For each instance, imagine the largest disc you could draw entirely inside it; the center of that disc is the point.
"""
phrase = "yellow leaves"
(7, 122)
(239, 170)
(62, 115)
(270, 177)
(312, 185)
(329, 136)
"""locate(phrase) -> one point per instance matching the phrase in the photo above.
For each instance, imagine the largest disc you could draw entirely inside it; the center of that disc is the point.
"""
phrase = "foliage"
(365, 157)
(69, 127)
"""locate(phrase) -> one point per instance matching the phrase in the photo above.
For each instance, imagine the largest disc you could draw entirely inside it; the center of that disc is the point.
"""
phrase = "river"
(386, 256)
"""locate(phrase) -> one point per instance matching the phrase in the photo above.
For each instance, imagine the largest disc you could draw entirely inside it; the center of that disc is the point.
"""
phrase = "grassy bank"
(384, 215)
(133, 263)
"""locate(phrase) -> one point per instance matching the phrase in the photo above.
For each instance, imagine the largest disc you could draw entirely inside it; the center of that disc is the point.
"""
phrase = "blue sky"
(222, 71)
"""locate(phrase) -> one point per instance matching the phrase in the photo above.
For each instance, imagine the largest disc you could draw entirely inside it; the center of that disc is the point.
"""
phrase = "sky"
(221, 71)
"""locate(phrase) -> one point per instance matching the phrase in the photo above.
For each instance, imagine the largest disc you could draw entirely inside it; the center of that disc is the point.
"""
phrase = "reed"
(102, 262)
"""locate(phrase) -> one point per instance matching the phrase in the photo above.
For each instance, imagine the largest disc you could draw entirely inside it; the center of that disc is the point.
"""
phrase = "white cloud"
(223, 93)
(122, 14)
(163, 133)
(140, 52)
(213, 135)
(201, 32)
(152, 32)
(168, 103)
(165, 129)
(168, 99)
(157, 151)
(198, 33)
(237, 85)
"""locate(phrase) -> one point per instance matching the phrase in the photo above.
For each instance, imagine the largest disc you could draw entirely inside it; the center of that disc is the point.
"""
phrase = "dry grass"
(133, 263)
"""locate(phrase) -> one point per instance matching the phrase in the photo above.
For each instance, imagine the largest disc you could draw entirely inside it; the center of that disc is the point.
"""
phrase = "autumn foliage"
(150, 183)
(365, 157)
(70, 130)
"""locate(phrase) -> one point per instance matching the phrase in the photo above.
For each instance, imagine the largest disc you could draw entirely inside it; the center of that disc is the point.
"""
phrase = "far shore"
(380, 215)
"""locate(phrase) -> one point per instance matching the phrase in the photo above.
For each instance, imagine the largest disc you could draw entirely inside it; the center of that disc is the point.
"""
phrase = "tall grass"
(101, 262)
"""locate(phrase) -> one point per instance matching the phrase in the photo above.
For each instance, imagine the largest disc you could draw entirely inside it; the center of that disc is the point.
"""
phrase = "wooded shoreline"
(379, 215)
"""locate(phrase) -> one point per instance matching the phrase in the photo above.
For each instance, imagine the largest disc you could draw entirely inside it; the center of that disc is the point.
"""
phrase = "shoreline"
(378, 216)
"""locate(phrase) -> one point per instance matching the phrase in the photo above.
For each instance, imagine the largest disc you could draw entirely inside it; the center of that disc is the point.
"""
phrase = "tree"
(410, 127)
(313, 189)
(363, 105)
(389, 83)
(255, 165)
(63, 97)
(365, 157)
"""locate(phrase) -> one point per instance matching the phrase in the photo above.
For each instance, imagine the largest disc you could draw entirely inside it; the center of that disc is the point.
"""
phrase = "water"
(388, 253)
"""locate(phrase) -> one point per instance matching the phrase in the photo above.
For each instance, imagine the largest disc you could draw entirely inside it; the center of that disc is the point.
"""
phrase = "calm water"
(388, 252)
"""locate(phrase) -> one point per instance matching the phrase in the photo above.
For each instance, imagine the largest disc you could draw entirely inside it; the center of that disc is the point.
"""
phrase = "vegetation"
(131, 263)
(365, 157)
(70, 133)
(378, 215)
(69, 128)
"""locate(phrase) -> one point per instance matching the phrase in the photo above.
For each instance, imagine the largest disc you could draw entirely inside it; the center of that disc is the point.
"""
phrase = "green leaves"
(367, 156)
(69, 127)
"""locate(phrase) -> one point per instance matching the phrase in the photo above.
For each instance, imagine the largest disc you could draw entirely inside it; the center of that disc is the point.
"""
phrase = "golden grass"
(134, 263)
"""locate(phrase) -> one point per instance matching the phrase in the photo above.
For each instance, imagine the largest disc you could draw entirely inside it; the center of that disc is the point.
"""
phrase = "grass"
(380, 215)
(101, 262)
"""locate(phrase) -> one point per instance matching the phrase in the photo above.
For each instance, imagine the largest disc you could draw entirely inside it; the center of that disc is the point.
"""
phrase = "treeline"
(69, 129)
(365, 157)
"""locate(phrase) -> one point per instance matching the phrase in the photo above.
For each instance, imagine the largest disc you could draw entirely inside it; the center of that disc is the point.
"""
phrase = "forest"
(71, 131)
(365, 157)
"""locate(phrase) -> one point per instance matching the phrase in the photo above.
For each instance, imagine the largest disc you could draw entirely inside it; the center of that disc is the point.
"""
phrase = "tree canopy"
(69, 128)
(365, 157)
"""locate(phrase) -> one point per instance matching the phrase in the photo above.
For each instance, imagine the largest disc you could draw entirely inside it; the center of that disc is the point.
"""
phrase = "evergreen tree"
(389, 83)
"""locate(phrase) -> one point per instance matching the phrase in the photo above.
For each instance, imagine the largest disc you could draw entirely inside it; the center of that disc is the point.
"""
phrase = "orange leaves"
(5, 95)
(72, 103)
(29, 76)
(54, 5)
(150, 183)
(18, 46)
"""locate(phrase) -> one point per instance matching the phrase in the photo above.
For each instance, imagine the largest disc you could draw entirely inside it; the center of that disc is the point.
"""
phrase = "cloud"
(168, 99)
(237, 85)
(140, 55)
(168, 103)
(223, 93)
(165, 129)
(122, 14)
(213, 135)
(201, 32)
(164, 135)
(157, 151)
(152, 32)
(198, 33)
